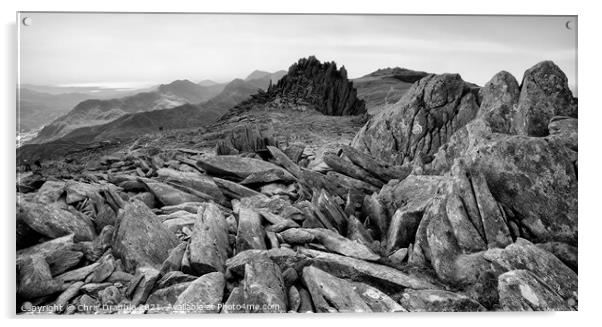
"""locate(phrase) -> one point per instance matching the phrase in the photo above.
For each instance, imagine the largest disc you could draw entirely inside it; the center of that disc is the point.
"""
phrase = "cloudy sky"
(133, 50)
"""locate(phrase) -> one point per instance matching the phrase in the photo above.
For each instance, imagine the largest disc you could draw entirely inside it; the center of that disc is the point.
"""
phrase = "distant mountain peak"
(257, 74)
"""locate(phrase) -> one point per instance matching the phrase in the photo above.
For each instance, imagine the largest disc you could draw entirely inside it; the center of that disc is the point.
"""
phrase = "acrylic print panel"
(213, 163)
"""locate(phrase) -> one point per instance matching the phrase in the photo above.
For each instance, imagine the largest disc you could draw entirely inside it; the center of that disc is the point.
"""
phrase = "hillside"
(97, 112)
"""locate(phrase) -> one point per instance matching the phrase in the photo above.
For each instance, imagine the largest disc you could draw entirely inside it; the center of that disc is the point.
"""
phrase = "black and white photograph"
(182, 163)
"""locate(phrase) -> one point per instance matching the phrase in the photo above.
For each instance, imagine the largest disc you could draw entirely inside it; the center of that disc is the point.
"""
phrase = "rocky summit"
(454, 198)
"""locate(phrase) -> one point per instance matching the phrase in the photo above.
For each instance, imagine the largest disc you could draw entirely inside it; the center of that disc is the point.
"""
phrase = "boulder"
(192, 180)
(236, 167)
(140, 238)
(521, 290)
(499, 99)
(169, 195)
(250, 234)
(544, 94)
(332, 294)
(209, 245)
(35, 279)
(339, 244)
(363, 271)
(264, 289)
(55, 220)
(204, 295)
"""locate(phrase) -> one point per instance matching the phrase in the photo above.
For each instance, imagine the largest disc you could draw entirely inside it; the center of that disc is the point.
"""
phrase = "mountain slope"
(135, 124)
(98, 112)
(39, 108)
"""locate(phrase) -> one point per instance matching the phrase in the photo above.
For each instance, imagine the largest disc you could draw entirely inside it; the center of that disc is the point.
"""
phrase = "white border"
(589, 75)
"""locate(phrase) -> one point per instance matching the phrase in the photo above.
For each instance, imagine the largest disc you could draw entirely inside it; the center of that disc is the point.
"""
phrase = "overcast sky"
(143, 49)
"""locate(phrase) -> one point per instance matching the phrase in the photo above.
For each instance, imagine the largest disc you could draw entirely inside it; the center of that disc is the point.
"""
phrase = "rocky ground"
(456, 198)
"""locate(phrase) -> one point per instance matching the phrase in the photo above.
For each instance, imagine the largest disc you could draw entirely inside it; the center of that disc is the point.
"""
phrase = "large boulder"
(424, 119)
(141, 239)
(209, 242)
(55, 220)
(237, 167)
(544, 94)
(499, 98)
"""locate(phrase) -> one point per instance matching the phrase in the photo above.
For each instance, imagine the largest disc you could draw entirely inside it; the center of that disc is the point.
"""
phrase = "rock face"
(535, 180)
(141, 239)
(423, 120)
(319, 84)
(544, 94)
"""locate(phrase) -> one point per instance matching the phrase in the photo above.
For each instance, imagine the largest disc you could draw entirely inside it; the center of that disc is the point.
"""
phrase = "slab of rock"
(54, 220)
(204, 295)
(351, 183)
(78, 274)
(332, 294)
(297, 236)
(263, 286)
(438, 301)
(346, 167)
(63, 299)
(336, 243)
(374, 166)
(141, 239)
(283, 160)
(209, 242)
(284, 257)
(521, 290)
(544, 94)
(363, 271)
(376, 299)
(169, 195)
(236, 167)
(193, 180)
(235, 190)
(250, 234)
(268, 176)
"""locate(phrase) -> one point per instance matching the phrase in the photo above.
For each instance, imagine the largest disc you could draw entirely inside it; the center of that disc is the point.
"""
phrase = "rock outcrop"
(423, 120)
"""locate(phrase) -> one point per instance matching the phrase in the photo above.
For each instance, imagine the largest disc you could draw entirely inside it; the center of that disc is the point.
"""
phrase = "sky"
(138, 50)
